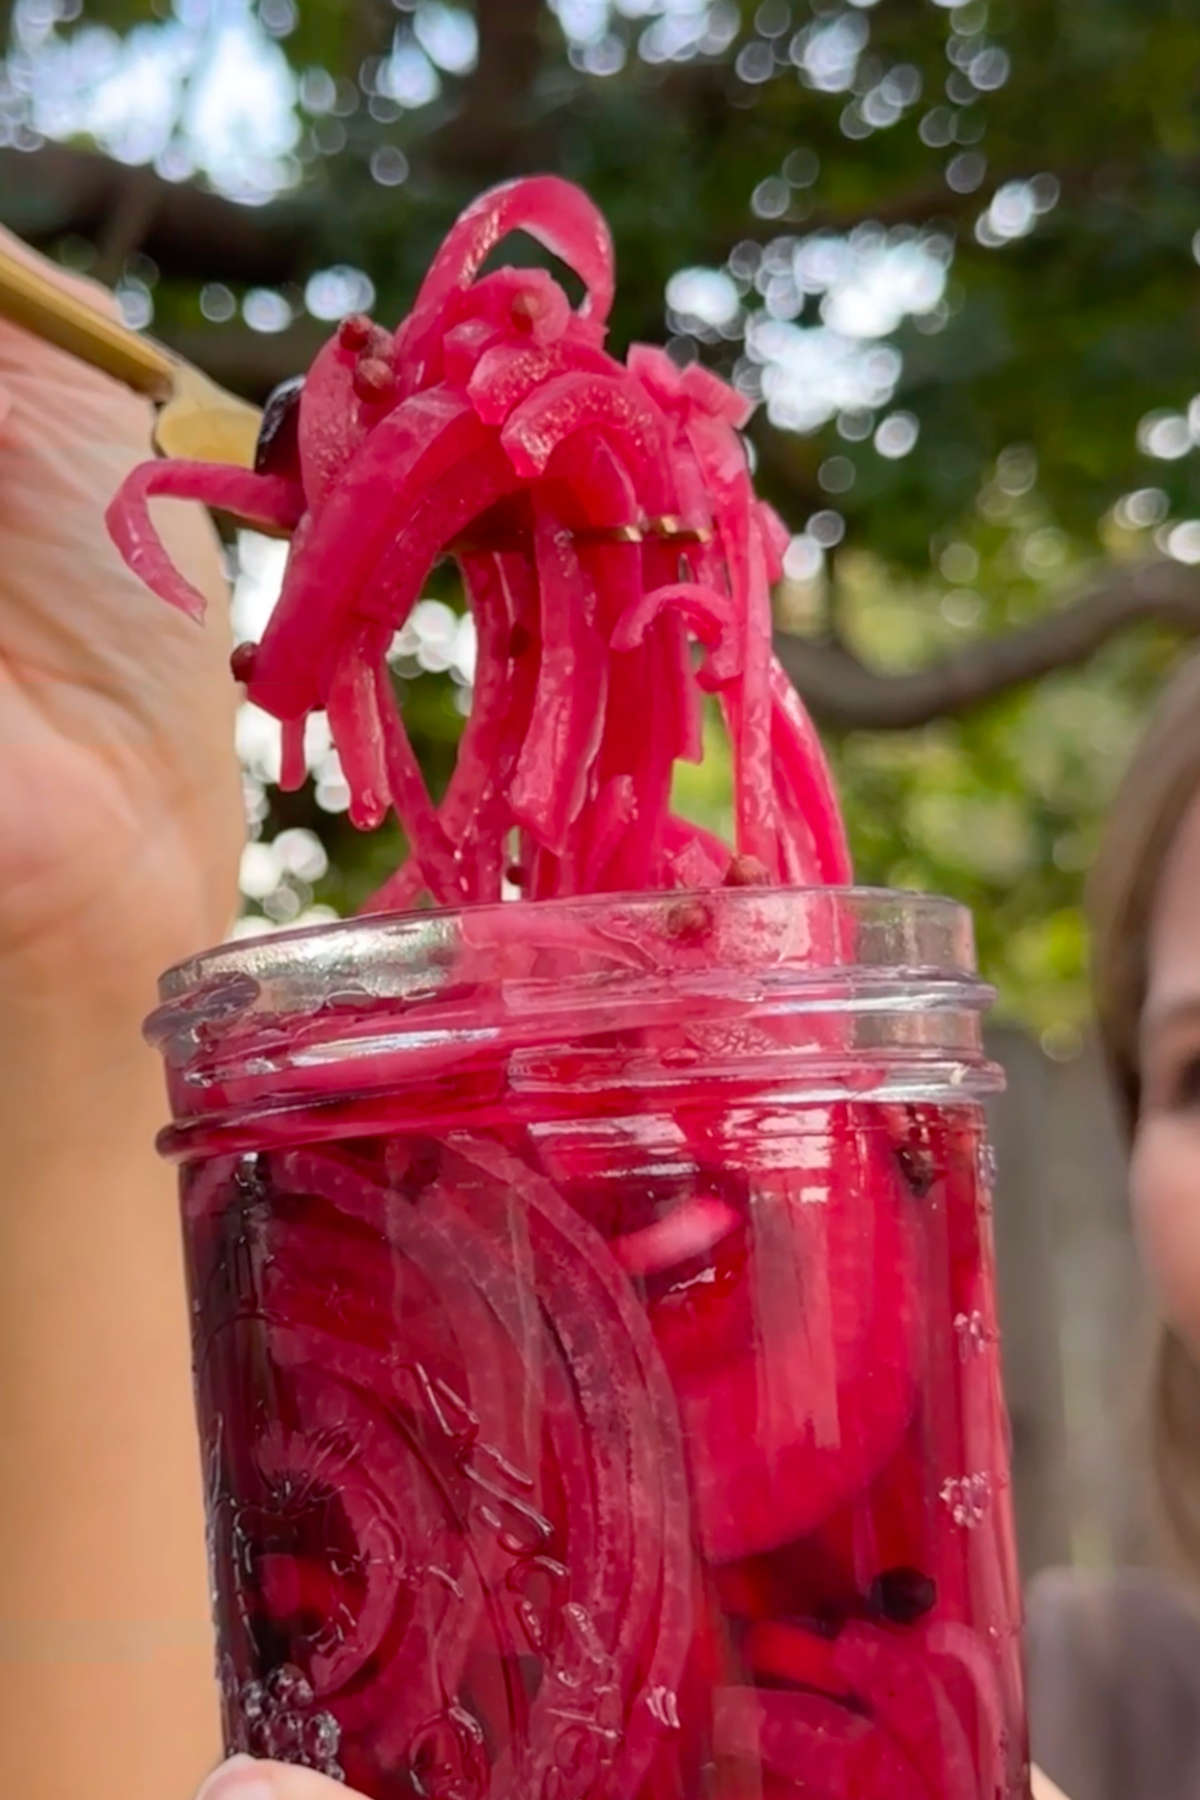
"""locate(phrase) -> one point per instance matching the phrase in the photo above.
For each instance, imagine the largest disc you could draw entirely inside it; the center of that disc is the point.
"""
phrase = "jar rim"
(939, 930)
(832, 992)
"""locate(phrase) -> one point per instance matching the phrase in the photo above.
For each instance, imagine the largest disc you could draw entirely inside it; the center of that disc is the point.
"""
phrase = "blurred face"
(1166, 1159)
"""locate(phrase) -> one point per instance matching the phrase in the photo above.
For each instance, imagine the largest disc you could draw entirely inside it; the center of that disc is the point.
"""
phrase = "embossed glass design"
(596, 1353)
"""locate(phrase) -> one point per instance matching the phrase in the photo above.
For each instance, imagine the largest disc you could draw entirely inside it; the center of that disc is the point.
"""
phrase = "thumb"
(244, 1779)
(1043, 1788)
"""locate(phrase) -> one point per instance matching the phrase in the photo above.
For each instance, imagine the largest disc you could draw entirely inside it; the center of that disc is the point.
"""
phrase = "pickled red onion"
(493, 426)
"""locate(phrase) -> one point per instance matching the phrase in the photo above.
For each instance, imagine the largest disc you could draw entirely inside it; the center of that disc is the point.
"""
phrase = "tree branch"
(189, 232)
(192, 233)
(846, 693)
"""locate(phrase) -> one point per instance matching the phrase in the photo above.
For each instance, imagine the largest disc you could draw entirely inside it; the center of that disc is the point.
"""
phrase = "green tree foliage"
(952, 247)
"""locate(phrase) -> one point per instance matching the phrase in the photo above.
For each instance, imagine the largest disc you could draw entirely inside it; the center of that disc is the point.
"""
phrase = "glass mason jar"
(596, 1352)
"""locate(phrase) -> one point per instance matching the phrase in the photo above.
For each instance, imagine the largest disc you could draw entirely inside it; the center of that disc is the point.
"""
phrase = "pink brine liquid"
(626, 1452)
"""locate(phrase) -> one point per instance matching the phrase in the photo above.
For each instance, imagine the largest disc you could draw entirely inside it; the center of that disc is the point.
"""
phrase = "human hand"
(120, 829)
(243, 1779)
(120, 819)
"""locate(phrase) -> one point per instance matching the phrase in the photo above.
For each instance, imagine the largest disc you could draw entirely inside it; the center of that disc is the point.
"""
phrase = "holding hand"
(120, 831)
(244, 1779)
(119, 803)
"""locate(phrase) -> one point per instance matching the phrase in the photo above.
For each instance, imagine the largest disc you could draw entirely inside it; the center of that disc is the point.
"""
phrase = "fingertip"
(242, 1778)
